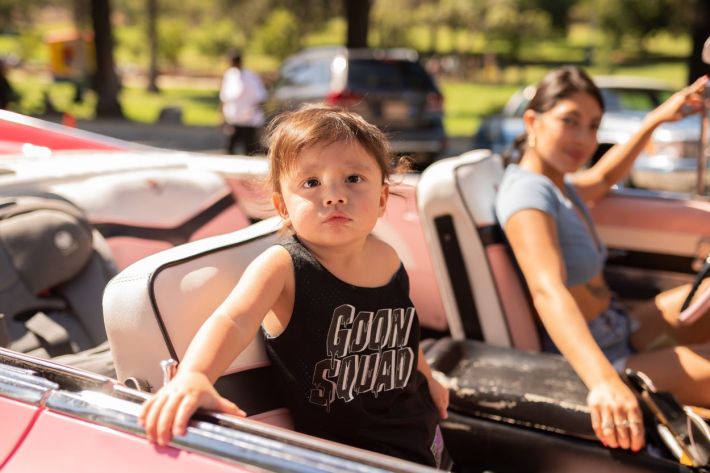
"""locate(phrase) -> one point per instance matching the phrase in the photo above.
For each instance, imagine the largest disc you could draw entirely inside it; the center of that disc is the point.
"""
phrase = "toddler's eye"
(354, 179)
(313, 182)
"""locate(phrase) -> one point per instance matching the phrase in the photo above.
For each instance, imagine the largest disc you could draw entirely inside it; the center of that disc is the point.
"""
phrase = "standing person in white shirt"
(241, 96)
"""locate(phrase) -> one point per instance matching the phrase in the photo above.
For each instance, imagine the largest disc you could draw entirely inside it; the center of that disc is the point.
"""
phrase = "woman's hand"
(440, 396)
(168, 412)
(681, 104)
(616, 417)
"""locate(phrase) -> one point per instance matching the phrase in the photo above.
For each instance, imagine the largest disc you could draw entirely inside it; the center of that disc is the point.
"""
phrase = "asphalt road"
(194, 138)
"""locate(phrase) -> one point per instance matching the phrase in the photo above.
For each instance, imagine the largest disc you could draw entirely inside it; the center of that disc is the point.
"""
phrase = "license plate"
(392, 110)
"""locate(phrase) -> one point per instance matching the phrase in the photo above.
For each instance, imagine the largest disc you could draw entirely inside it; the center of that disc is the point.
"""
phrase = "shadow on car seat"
(53, 268)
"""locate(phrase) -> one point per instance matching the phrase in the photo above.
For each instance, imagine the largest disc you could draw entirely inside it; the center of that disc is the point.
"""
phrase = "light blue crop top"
(521, 189)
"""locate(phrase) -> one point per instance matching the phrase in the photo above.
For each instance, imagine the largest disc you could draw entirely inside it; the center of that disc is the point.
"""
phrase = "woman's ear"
(280, 206)
(529, 118)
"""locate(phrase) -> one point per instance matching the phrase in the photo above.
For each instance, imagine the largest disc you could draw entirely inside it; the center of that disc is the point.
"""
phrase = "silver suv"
(389, 88)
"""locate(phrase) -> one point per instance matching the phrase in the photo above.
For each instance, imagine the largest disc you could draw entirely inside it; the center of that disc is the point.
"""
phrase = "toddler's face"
(333, 195)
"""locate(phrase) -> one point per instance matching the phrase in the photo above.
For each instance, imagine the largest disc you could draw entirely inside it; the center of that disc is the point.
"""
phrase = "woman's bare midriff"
(592, 297)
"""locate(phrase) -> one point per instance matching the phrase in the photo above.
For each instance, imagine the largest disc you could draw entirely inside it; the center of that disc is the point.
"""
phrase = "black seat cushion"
(537, 390)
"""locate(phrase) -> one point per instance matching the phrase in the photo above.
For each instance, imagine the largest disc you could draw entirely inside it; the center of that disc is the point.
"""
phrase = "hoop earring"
(531, 141)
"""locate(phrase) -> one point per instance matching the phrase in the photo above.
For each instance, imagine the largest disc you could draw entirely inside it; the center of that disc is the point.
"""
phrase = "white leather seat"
(482, 291)
(153, 308)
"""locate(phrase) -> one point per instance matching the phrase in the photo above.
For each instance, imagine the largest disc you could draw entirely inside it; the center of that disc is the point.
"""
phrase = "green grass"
(466, 102)
(199, 106)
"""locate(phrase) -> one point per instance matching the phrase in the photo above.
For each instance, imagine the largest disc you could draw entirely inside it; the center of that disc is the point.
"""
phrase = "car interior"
(506, 396)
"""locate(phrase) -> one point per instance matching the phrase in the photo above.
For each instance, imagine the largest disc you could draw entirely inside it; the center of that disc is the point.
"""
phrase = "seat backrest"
(53, 268)
(482, 291)
(153, 308)
(143, 211)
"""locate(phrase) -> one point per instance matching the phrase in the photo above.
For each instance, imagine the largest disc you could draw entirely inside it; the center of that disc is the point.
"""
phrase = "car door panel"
(61, 443)
(17, 418)
(653, 241)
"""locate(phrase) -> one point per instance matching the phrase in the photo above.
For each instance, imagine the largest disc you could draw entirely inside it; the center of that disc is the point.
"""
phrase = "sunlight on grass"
(466, 104)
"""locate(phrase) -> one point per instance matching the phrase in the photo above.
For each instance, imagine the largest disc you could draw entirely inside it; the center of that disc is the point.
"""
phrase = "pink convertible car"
(146, 242)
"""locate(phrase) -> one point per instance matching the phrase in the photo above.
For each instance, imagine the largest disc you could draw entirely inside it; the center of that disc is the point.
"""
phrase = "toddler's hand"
(440, 396)
(168, 412)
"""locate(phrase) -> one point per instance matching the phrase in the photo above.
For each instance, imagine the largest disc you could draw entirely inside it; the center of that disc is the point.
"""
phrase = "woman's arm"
(223, 336)
(533, 237)
(615, 165)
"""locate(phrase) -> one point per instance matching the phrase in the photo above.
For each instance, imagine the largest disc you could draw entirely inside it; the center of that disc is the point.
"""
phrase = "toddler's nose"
(335, 195)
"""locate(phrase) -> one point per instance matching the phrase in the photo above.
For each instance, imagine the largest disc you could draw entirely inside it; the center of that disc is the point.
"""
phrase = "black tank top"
(348, 361)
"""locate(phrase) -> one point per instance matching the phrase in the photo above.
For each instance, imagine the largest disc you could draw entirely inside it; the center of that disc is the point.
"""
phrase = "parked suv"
(389, 88)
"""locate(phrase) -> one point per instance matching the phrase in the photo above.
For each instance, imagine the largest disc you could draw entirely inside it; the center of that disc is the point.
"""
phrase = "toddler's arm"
(223, 336)
(439, 394)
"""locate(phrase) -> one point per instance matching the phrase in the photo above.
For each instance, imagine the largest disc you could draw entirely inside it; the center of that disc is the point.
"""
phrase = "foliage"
(636, 20)
(279, 35)
(387, 29)
(171, 39)
(219, 38)
(516, 23)
(558, 12)
(195, 34)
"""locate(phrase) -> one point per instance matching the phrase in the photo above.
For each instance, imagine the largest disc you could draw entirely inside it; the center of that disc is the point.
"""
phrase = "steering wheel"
(691, 312)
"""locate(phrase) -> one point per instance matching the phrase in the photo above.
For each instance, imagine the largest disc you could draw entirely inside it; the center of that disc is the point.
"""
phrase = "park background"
(164, 55)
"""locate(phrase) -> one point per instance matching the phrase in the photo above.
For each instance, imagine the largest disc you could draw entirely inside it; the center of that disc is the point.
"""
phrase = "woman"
(542, 207)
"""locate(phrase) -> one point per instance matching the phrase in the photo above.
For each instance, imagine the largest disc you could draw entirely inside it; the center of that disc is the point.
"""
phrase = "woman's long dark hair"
(557, 85)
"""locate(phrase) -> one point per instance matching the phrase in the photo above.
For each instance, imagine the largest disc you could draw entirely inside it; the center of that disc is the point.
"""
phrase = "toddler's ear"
(280, 206)
(384, 195)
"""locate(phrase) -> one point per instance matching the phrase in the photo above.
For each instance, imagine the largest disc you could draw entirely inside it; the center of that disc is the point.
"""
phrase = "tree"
(515, 22)
(153, 45)
(278, 36)
(357, 13)
(391, 28)
(636, 20)
(105, 80)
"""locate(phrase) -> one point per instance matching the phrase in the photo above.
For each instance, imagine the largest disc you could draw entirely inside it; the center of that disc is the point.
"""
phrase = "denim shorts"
(612, 331)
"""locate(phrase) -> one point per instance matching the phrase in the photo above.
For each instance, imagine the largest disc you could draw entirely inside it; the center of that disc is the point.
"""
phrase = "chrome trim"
(23, 385)
(240, 441)
(71, 378)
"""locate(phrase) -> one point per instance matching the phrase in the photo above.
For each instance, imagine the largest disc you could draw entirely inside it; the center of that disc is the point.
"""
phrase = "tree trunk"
(81, 17)
(357, 13)
(153, 45)
(105, 81)
(433, 37)
(700, 31)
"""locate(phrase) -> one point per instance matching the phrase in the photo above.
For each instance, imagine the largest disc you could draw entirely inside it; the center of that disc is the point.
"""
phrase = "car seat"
(153, 308)
(484, 295)
(53, 268)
